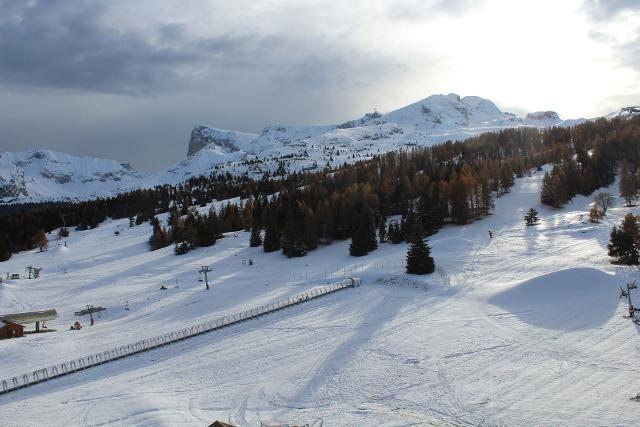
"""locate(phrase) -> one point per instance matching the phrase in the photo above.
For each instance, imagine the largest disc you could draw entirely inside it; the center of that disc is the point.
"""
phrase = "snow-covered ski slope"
(522, 329)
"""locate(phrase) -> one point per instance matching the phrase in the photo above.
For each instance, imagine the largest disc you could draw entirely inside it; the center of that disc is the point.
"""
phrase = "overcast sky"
(128, 79)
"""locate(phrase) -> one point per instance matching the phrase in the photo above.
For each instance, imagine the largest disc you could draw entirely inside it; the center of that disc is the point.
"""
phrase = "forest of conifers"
(386, 197)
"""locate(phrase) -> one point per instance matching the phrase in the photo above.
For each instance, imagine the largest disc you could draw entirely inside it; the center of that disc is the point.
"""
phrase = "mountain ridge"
(46, 175)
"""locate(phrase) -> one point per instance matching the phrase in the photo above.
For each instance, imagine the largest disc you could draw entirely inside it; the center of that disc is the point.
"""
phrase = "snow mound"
(575, 298)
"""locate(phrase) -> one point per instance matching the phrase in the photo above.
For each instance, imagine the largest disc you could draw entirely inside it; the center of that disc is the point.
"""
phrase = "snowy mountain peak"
(227, 141)
(41, 174)
(542, 118)
(439, 112)
(453, 96)
(279, 149)
(625, 112)
(543, 115)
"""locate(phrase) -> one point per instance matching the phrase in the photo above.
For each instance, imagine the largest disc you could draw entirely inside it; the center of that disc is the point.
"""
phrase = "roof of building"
(29, 317)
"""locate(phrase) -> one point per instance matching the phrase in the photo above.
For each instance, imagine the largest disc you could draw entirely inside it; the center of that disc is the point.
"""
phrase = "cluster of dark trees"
(629, 182)
(5, 247)
(398, 196)
(21, 223)
(384, 199)
(188, 229)
(589, 158)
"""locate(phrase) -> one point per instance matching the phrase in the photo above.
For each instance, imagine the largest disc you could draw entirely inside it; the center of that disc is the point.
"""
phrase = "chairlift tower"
(89, 310)
(632, 309)
(205, 269)
(34, 272)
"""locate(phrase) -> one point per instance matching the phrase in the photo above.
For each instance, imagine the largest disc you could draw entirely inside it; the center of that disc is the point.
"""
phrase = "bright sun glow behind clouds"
(533, 55)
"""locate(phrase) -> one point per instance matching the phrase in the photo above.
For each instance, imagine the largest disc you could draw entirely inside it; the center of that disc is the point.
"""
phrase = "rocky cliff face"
(12, 184)
(543, 115)
(624, 112)
(222, 140)
(285, 149)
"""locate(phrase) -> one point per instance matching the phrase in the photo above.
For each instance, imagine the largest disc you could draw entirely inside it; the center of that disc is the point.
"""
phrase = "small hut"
(11, 330)
(12, 325)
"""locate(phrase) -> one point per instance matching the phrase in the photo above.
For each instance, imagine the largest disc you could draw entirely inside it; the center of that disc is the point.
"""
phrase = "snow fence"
(62, 369)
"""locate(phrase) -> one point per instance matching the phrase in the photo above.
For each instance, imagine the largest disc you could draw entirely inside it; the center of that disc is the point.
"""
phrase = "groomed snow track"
(45, 374)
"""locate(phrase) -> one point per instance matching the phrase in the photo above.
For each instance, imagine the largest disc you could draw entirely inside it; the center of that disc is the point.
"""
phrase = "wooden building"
(10, 329)
(12, 325)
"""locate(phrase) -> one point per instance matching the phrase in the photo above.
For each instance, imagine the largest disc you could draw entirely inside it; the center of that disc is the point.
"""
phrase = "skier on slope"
(490, 233)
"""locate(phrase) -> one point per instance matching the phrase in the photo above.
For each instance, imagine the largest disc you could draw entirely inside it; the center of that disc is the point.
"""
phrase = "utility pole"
(627, 294)
(205, 269)
(631, 286)
(90, 310)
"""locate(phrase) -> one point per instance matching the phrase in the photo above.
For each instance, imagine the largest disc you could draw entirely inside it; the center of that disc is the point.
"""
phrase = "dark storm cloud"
(104, 79)
(64, 44)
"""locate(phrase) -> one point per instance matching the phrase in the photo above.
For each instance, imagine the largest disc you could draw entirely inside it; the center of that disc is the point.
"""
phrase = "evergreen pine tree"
(395, 234)
(547, 194)
(159, 237)
(206, 229)
(293, 244)
(5, 248)
(310, 230)
(363, 233)
(531, 218)
(216, 228)
(256, 239)
(382, 230)
(614, 242)
(408, 224)
(271, 240)
(419, 260)
(625, 241)
(459, 203)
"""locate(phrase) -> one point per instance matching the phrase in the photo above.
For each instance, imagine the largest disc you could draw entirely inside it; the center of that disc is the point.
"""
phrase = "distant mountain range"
(42, 175)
